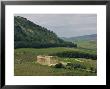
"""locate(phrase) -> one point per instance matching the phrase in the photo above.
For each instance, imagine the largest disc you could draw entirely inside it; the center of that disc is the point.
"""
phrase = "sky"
(66, 25)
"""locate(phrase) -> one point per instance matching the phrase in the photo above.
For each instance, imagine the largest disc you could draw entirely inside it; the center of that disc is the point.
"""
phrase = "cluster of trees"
(23, 44)
(29, 35)
(75, 54)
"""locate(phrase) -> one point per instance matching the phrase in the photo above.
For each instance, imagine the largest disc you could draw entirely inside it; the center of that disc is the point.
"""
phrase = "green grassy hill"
(91, 37)
(30, 35)
(85, 42)
(26, 63)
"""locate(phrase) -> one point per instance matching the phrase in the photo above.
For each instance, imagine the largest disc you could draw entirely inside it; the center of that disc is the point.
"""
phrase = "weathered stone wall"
(46, 60)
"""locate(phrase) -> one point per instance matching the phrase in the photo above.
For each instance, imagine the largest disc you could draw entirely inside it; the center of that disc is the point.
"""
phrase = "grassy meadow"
(85, 44)
(25, 62)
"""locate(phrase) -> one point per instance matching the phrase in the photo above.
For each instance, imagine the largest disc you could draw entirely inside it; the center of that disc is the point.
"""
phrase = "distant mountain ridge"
(92, 37)
(28, 34)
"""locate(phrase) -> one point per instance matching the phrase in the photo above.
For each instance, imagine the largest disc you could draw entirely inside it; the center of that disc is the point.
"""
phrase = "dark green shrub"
(77, 65)
(69, 64)
(91, 68)
(59, 65)
(69, 67)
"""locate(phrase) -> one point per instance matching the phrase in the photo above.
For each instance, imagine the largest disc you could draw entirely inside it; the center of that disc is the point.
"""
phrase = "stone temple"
(47, 60)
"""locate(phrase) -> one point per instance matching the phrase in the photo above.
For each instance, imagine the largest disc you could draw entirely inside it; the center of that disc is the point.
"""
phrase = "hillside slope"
(92, 37)
(28, 34)
(86, 41)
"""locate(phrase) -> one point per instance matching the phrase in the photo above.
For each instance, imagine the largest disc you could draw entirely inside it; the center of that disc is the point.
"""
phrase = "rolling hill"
(85, 42)
(92, 37)
(30, 35)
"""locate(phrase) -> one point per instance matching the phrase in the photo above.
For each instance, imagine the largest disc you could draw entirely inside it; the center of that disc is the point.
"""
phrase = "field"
(25, 62)
(85, 44)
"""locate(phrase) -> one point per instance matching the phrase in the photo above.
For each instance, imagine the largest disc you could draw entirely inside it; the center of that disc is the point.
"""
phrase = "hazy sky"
(66, 25)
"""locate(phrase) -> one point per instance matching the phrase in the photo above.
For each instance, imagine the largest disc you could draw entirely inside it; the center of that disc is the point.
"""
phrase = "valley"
(76, 56)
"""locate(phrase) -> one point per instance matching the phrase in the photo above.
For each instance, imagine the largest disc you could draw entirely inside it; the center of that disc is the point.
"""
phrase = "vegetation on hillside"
(29, 35)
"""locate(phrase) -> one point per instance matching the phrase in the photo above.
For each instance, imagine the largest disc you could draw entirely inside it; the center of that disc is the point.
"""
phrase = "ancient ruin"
(47, 60)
